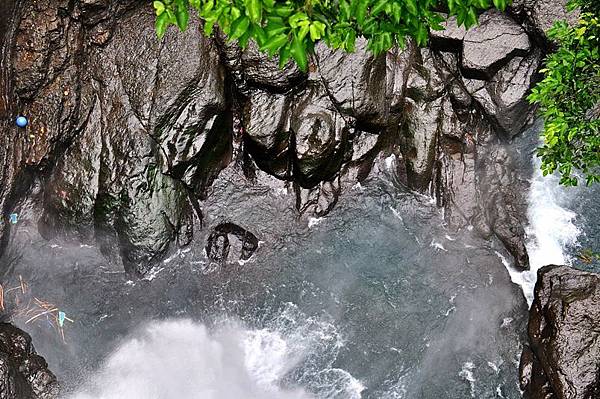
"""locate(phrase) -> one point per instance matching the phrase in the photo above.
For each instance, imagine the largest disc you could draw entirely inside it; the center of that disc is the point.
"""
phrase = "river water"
(377, 300)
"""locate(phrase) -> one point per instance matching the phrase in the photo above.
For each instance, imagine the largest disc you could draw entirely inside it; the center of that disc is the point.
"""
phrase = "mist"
(183, 359)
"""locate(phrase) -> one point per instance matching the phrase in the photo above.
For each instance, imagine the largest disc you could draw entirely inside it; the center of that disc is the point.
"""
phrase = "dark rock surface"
(127, 132)
(492, 43)
(229, 242)
(562, 359)
(540, 15)
(23, 374)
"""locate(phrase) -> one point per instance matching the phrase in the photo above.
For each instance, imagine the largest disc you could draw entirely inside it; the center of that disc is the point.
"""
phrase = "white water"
(182, 359)
(551, 228)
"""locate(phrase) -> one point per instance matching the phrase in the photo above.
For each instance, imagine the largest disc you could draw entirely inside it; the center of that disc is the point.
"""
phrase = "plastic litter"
(14, 218)
(27, 307)
(22, 121)
(61, 318)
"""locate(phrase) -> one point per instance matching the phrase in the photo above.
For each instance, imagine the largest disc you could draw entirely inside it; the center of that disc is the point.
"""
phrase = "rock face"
(562, 360)
(23, 374)
(495, 40)
(540, 15)
(127, 132)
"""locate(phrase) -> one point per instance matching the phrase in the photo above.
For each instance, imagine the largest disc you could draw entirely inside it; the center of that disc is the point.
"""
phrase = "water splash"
(186, 360)
(182, 359)
(551, 228)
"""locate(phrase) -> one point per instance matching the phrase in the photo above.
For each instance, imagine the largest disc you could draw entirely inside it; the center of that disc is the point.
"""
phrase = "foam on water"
(467, 373)
(184, 359)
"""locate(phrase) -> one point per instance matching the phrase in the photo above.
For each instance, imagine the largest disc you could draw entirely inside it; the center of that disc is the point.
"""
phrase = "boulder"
(562, 358)
(450, 38)
(320, 133)
(229, 242)
(23, 373)
(267, 133)
(504, 97)
(252, 68)
(356, 82)
(540, 15)
(491, 44)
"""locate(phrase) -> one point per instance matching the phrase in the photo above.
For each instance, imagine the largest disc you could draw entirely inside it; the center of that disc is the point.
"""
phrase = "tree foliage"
(290, 28)
(569, 98)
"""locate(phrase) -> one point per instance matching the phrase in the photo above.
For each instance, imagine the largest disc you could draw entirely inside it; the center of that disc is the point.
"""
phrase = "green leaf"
(471, 19)
(284, 55)
(239, 27)
(315, 33)
(284, 11)
(345, 9)
(259, 35)
(361, 11)
(411, 6)
(159, 7)
(379, 7)
(162, 21)
(500, 4)
(303, 31)
(254, 10)
(298, 51)
(273, 44)
(182, 16)
(209, 24)
(350, 41)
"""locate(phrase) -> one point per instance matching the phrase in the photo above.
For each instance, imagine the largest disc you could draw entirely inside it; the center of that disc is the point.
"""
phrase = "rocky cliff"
(23, 374)
(127, 132)
(562, 360)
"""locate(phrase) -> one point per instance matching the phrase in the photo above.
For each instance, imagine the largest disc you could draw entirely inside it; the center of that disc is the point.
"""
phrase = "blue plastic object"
(61, 318)
(22, 121)
(13, 218)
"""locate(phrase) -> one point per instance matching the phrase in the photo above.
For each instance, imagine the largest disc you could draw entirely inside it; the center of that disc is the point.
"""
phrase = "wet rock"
(504, 97)
(189, 116)
(562, 359)
(449, 39)
(71, 192)
(229, 242)
(491, 44)
(363, 143)
(318, 200)
(253, 68)
(502, 198)
(153, 131)
(23, 373)
(320, 133)
(356, 82)
(455, 175)
(540, 15)
(266, 128)
(422, 112)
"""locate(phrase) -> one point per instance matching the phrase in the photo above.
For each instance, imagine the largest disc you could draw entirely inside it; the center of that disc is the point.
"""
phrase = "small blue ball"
(21, 121)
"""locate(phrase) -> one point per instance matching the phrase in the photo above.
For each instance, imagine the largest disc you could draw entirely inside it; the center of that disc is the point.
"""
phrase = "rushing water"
(377, 300)
(563, 225)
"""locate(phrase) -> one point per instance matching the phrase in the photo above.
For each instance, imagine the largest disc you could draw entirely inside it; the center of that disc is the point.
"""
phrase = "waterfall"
(551, 229)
